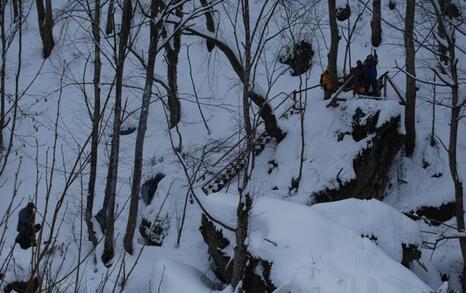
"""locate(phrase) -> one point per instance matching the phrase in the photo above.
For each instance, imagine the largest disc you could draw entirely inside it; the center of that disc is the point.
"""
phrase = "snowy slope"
(318, 250)
(374, 218)
(317, 255)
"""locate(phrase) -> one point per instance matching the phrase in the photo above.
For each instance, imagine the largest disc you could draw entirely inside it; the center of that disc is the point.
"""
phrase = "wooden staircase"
(223, 177)
(215, 181)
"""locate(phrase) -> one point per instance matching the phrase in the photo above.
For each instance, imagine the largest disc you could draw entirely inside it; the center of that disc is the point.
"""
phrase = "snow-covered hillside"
(337, 206)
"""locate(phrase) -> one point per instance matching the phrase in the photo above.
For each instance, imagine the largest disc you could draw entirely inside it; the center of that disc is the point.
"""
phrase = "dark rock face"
(257, 273)
(149, 188)
(21, 286)
(410, 253)
(155, 232)
(361, 130)
(216, 242)
(343, 13)
(128, 130)
(258, 283)
(298, 57)
(373, 164)
(392, 5)
(450, 9)
(434, 215)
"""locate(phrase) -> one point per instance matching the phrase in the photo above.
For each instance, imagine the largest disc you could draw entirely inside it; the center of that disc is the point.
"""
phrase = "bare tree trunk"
(447, 34)
(138, 158)
(241, 234)
(45, 18)
(210, 24)
(195, 91)
(452, 160)
(376, 23)
(15, 9)
(452, 156)
(95, 124)
(302, 111)
(348, 44)
(442, 48)
(2, 73)
(11, 137)
(410, 109)
(48, 29)
(267, 115)
(434, 101)
(110, 19)
(335, 39)
(265, 110)
(112, 175)
(458, 184)
(40, 16)
(245, 201)
(172, 54)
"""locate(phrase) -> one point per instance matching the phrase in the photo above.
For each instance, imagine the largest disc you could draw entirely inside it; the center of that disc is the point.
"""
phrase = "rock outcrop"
(149, 187)
(372, 164)
(257, 273)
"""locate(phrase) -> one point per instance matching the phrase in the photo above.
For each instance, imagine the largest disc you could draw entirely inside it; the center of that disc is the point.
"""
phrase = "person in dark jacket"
(26, 228)
(358, 84)
(370, 74)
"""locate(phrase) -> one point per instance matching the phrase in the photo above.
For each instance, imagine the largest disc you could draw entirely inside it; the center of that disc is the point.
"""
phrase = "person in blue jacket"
(369, 74)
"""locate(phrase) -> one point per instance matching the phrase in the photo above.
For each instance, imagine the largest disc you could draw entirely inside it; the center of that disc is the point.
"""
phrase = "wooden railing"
(383, 81)
(386, 80)
(288, 97)
(234, 165)
(220, 178)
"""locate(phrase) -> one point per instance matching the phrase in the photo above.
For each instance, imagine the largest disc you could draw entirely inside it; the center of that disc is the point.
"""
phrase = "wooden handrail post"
(402, 101)
(334, 99)
(385, 86)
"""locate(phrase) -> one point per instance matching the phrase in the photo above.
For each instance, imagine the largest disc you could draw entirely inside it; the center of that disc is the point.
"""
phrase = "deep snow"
(320, 248)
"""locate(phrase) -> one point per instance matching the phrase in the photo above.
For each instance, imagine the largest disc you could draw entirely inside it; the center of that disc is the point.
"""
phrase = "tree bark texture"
(448, 35)
(410, 109)
(95, 124)
(376, 23)
(142, 126)
(172, 49)
(112, 175)
(110, 18)
(265, 110)
(45, 19)
(210, 24)
(240, 250)
(335, 39)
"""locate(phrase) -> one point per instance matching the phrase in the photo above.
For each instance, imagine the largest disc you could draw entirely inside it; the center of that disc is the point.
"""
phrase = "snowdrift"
(374, 219)
(311, 251)
(175, 277)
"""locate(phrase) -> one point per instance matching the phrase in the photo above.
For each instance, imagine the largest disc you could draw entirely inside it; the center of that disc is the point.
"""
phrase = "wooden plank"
(334, 99)
(402, 101)
(385, 86)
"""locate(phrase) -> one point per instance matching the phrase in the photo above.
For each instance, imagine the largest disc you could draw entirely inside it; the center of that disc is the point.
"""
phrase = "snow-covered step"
(230, 170)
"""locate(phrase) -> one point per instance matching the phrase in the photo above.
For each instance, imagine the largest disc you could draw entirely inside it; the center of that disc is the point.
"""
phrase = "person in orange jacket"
(326, 84)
